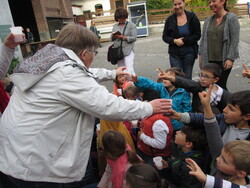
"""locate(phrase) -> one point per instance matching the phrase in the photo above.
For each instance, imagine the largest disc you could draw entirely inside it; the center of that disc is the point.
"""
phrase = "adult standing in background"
(93, 28)
(128, 39)
(182, 31)
(220, 39)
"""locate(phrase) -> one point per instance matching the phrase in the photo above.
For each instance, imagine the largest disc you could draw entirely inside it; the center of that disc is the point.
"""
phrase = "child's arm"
(180, 82)
(145, 83)
(209, 181)
(214, 139)
(160, 132)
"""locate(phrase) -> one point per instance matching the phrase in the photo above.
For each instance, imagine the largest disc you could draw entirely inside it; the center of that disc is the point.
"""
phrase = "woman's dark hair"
(143, 175)
(225, 6)
(114, 143)
(120, 13)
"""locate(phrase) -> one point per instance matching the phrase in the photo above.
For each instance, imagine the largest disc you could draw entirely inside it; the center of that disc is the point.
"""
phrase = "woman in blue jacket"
(182, 31)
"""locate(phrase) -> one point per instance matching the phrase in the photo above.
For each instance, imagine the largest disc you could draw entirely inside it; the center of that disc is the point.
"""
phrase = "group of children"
(212, 134)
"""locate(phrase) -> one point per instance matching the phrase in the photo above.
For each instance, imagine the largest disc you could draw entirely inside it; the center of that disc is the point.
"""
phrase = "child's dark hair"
(143, 175)
(241, 99)
(213, 68)
(114, 143)
(150, 94)
(195, 135)
(177, 71)
(131, 92)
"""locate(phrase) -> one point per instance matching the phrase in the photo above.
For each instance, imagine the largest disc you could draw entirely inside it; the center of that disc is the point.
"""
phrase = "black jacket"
(194, 88)
(177, 173)
(171, 32)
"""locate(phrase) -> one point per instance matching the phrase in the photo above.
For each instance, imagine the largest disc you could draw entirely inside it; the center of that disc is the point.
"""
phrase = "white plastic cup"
(119, 91)
(17, 31)
(158, 162)
(134, 123)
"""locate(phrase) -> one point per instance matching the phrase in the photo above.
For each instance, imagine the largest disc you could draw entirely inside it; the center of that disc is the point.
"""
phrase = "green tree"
(159, 4)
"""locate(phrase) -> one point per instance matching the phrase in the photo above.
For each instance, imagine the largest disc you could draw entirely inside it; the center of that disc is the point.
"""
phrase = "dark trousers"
(184, 62)
(224, 75)
(11, 182)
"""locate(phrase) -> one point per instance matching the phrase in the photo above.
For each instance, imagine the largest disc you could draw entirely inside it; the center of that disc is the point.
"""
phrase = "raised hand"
(10, 41)
(246, 71)
(205, 96)
(196, 170)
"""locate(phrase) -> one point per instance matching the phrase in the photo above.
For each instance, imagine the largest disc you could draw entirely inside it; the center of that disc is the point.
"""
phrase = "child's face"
(167, 83)
(225, 163)
(121, 79)
(207, 78)
(180, 138)
(232, 114)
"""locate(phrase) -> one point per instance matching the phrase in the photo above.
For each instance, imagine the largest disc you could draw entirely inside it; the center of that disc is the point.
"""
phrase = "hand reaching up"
(205, 101)
(246, 71)
(196, 170)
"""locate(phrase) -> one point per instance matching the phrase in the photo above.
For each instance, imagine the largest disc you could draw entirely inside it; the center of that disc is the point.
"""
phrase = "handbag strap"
(124, 32)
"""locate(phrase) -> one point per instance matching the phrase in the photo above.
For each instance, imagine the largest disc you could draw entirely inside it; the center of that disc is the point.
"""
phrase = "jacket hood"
(49, 58)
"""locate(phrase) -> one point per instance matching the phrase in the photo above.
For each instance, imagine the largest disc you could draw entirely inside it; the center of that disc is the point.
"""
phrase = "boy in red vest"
(154, 138)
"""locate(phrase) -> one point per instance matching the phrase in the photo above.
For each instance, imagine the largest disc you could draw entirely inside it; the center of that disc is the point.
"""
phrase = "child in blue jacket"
(180, 97)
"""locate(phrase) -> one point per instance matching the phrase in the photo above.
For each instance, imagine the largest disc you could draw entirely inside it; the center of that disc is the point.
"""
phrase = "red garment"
(146, 127)
(124, 86)
(4, 98)
(118, 169)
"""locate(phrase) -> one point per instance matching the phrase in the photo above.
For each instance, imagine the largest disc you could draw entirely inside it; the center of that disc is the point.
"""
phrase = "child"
(119, 159)
(142, 175)
(193, 144)
(231, 161)
(210, 74)
(155, 135)
(120, 82)
(131, 92)
(104, 127)
(234, 123)
(180, 97)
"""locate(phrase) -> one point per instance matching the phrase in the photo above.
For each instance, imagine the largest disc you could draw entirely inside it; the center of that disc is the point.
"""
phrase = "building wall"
(44, 9)
(5, 20)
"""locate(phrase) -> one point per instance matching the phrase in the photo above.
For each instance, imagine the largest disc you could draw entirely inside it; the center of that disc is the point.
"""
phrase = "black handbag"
(115, 53)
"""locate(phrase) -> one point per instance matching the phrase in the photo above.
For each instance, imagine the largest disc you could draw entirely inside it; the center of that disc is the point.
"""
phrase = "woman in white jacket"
(47, 128)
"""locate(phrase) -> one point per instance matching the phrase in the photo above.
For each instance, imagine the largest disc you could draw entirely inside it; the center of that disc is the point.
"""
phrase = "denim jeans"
(184, 62)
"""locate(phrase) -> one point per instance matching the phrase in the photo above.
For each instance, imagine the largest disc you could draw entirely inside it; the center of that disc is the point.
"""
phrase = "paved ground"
(151, 53)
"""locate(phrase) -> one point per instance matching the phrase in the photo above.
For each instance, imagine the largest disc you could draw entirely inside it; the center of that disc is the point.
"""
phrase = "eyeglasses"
(205, 76)
(95, 52)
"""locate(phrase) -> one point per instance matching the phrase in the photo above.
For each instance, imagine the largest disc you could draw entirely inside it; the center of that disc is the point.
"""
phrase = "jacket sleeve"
(101, 74)
(81, 91)
(6, 55)
(160, 132)
(166, 32)
(186, 179)
(234, 34)
(213, 182)
(196, 34)
(187, 84)
(214, 139)
(145, 83)
(186, 103)
(132, 30)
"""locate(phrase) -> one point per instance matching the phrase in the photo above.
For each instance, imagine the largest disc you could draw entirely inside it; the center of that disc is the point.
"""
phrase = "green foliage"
(13, 64)
(159, 4)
